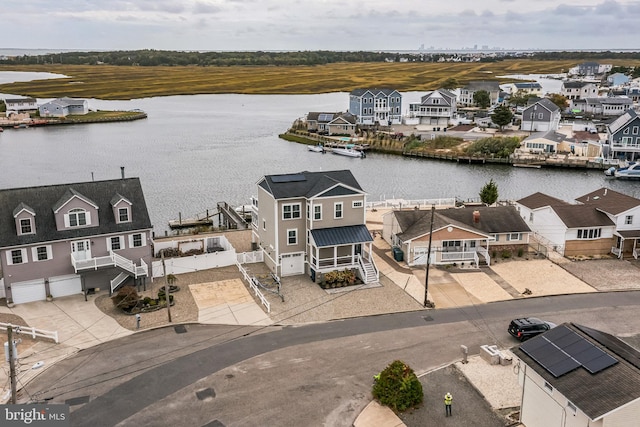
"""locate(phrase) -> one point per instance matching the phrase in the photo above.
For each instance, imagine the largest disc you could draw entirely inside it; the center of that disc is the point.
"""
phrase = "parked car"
(528, 327)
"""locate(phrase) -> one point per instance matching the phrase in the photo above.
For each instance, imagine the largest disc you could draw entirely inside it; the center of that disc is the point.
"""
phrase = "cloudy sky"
(319, 24)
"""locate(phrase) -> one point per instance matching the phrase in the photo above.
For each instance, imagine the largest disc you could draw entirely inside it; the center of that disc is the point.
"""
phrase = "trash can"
(398, 255)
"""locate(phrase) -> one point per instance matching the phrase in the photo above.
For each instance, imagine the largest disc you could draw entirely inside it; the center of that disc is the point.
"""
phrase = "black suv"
(528, 327)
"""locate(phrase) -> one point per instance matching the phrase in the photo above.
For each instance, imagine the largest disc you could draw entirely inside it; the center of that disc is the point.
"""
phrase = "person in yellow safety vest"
(447, 404)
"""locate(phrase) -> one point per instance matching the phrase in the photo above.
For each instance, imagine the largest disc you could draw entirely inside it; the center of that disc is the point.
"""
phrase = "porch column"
(335, 256)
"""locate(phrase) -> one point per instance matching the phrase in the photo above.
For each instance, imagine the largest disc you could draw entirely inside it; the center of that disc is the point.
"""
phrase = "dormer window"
(25, 226)
(123, 215)
(77, 218)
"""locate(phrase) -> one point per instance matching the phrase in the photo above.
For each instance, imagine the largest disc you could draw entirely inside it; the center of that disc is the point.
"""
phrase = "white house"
(575, 376)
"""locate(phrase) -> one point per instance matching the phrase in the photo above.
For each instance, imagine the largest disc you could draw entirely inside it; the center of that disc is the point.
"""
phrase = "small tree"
(502, 116)
(559, 100)
(482, 98)
(450, 83)
(126, 298)
(489, 193)
(398, 387)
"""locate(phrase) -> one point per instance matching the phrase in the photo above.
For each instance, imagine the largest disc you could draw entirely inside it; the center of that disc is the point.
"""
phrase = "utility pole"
(12, 366)
(166, 286)
(427, 303)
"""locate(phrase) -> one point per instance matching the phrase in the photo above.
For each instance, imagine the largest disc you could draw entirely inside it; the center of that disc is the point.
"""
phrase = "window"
(496, 237)
(572, 409)
(626, 131)
(123, 215)
(115, 243)
(41, 253)
(77, 217)
(548, 387)
(540, 116)
(513, 236)
(356, 204)
(317, 212)
(137, 240)
(292, 237)
(25, 226)
(628, 220)
(531, 217)
(451, 245)
(16, 256)
(635, 130)
(291, 211)
(337, 210)
(264, 224)
(589, 233)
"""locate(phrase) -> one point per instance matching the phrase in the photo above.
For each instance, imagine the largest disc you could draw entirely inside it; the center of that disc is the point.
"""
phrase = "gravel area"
(606, 274)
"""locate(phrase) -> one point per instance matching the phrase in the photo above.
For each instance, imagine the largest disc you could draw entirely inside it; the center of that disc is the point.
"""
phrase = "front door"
(81, 249)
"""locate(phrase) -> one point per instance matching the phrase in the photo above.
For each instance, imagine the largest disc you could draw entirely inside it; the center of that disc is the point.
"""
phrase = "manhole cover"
(205, 393)
(214, 423)
(180, 329)
(77, 400)
(428, 318)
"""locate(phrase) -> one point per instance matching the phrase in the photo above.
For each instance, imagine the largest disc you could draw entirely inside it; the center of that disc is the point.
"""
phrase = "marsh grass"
(128, 82)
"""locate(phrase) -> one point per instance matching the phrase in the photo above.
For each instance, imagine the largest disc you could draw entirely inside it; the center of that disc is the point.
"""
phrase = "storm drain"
(214, 423)
(180, 329)
(77, 400)
(205, 394)
(428, 318)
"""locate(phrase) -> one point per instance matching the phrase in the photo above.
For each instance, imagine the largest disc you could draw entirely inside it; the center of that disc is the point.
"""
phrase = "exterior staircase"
(118, 281)
(127, 267)
(370, 273)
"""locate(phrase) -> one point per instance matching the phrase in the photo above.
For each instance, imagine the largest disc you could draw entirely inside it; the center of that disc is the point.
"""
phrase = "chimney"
(122, 171)
(476, 217)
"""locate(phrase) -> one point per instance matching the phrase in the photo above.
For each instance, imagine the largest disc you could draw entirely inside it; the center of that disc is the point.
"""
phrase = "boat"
(350, 152)
(631, 171)
(316, 148)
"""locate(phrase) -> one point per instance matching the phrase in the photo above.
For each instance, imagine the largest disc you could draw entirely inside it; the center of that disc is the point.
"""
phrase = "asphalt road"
(317, 374)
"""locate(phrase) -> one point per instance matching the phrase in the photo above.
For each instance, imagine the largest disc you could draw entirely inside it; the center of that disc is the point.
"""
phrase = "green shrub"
(398, 387)
(506, 254)
(520, 252)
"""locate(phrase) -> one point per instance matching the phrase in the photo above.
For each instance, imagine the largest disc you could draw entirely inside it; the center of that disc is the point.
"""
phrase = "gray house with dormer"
(623, 137)
(542, 116)
(65, 239)
(376, 106)
(436, 108)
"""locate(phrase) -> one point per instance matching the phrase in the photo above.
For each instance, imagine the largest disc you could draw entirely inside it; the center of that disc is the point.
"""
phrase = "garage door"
(420, 256)
(32, 290)
(62, 286)
(292, 264)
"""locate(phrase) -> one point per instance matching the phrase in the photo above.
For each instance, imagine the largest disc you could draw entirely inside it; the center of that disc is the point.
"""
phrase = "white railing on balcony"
(111, 260)
(616, 251)
(404, 204)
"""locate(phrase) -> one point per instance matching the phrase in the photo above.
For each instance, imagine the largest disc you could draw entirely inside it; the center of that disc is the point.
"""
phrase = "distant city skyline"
(322, 25)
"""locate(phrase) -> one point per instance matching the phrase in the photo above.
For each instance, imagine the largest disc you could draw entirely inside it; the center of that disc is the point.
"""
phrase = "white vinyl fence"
(33, 332)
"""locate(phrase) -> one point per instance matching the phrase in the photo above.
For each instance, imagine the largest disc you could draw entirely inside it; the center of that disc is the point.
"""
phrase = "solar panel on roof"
(589, 354)
(565, 366)
(562, 350)
(288, 178)
(600, 363)
(324, 117)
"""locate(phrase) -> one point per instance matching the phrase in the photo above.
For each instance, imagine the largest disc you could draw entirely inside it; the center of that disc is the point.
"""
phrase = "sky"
(296, 25)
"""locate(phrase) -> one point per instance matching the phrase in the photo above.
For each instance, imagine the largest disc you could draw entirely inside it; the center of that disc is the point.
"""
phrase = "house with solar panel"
(313, 223)
(574, 376)
(65, 239)
(376, 106)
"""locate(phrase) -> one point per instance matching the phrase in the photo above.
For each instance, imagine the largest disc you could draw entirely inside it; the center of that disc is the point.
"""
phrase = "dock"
(199, 220)
(230, 218)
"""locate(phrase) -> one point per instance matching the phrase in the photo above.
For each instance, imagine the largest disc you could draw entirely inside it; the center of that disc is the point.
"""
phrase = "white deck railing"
(402, 203)
(111, 260)
(33, 332)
